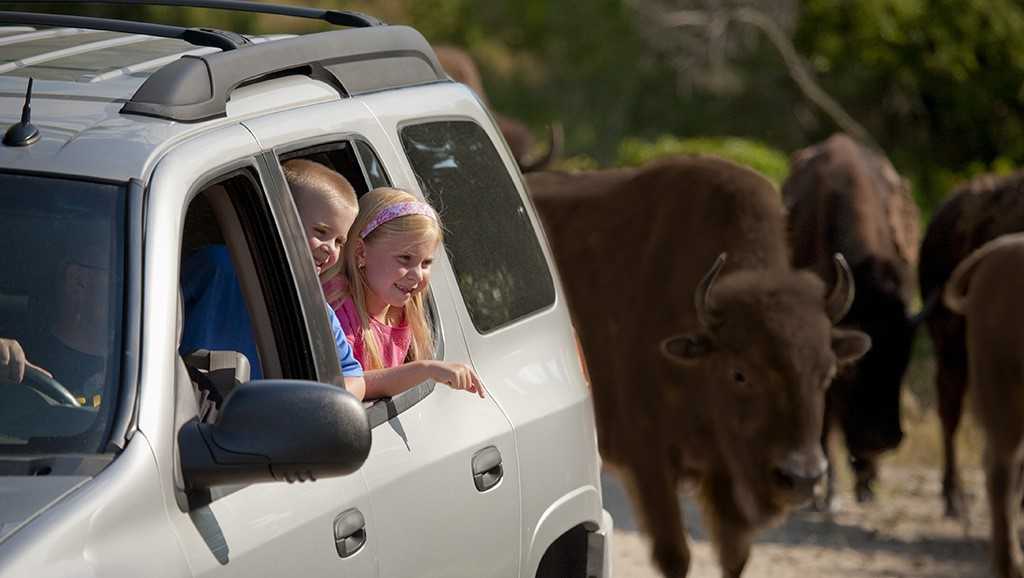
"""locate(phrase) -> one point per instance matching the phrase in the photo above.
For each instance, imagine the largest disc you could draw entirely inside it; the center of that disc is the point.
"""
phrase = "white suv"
(143, 143)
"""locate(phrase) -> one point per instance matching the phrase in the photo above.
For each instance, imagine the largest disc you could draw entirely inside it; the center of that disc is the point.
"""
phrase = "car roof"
(131, 94)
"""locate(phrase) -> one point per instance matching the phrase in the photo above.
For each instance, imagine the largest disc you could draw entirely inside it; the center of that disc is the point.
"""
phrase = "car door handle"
(487, 470)
(349, 532)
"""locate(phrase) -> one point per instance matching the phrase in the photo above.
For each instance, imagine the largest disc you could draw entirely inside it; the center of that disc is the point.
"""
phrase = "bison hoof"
(956, 505)
(673, 561)
(824, 504)
(865, 494)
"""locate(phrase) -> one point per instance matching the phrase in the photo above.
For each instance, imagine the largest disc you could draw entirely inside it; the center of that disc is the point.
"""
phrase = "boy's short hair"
(309, 177)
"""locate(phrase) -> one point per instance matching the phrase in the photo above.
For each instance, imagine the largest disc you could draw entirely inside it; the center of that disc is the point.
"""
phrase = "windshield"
(61, 293)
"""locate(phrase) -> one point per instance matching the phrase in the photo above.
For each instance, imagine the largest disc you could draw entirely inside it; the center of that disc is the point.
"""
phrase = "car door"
(516, 324)
(442, 471)
(312, 529)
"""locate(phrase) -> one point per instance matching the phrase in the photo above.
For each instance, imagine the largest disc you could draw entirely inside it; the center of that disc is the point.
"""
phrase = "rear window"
(494, 250)
(61, 301)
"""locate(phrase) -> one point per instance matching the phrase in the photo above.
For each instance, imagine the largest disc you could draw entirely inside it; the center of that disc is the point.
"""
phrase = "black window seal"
(303, 276)
(124, 422)
(268, 247)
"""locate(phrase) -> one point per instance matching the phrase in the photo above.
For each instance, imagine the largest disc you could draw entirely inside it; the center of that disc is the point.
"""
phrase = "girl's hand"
(457, 376)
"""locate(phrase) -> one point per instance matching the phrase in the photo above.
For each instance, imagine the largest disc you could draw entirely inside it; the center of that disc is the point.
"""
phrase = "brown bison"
(709, 355)
(974, 214)
(461, 68)
(986, 289)
(844, 198)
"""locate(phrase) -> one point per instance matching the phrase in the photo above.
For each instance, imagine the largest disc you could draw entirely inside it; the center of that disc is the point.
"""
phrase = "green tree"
(940, 83)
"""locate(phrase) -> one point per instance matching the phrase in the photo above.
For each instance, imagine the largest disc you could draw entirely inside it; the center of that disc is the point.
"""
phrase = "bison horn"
(841, 297)
(700, 296)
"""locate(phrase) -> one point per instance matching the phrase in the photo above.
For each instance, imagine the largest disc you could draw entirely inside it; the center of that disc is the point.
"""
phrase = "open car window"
(62, 295)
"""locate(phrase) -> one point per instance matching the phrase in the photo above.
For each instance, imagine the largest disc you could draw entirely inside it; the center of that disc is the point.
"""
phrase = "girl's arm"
(394, 380)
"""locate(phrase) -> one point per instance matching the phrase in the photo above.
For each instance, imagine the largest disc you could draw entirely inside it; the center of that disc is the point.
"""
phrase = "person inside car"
(379, 299)
(72, 341)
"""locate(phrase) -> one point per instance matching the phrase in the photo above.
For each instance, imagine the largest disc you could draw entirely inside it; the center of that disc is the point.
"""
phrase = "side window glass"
(497, 258)
(353, 159)
(372, 167)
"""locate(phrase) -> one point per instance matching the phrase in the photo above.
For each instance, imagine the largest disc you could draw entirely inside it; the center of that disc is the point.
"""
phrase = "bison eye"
(739, 377)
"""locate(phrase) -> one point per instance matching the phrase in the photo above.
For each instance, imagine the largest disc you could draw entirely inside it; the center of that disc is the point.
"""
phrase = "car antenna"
(23, 133)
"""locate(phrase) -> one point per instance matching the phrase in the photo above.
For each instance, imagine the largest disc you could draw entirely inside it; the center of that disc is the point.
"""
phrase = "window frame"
(381, 410)
(122, 418)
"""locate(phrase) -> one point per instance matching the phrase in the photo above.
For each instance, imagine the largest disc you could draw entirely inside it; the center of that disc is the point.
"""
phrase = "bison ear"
(849, 345)
(687, 348)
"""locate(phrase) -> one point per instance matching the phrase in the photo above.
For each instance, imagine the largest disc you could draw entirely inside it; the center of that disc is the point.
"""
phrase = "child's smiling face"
(326, 225)
(398, 266)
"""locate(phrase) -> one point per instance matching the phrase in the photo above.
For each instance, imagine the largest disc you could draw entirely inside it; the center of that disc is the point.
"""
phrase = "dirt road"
(903, 534)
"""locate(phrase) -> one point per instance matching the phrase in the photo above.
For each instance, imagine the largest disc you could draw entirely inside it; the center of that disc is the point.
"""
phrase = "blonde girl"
(379, 298)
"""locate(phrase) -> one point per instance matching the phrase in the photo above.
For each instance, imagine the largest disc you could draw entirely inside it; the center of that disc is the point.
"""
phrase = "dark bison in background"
(974, 214)
(709, 354)
(843, 198)
(986, 288)
(461, 68)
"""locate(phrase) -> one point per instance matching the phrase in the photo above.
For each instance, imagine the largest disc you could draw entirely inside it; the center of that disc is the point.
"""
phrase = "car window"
(354, 159)
(494, 250)
(238, 291)
(372, 167)
(62, 294)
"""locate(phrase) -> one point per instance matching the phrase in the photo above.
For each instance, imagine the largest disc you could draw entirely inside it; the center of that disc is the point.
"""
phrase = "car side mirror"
(276, 430)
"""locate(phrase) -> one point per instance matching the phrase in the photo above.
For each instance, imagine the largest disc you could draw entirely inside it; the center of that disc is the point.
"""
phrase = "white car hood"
(25, 497)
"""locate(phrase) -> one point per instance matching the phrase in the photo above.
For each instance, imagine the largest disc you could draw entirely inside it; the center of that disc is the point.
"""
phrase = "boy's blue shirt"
(216, 317)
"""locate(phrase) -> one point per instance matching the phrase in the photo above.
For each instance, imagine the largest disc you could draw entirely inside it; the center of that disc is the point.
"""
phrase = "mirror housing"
(276, 430)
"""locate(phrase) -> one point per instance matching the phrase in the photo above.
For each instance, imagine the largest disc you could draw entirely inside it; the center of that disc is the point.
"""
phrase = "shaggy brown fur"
(732, 405)
(989, 298)
(460, 67)
(974, 214)
(844, 198)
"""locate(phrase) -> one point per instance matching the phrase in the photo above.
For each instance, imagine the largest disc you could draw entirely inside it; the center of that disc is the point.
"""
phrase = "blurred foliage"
(938, 83)
(770, 162)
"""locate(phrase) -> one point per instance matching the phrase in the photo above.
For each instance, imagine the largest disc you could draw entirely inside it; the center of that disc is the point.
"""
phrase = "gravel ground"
(903, 534)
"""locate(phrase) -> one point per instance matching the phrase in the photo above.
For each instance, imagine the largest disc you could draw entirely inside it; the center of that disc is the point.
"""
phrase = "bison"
(974, 214)
(843, 198)
(709, 355)
(981, 290)
(461, 68)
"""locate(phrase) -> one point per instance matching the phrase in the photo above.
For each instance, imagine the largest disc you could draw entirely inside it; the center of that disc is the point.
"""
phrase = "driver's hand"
(12, 360)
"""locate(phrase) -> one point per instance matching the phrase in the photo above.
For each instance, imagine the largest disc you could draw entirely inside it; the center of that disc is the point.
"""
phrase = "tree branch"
(794, 64)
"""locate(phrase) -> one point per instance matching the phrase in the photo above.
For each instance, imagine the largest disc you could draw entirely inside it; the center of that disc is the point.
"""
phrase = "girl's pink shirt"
(393, 342)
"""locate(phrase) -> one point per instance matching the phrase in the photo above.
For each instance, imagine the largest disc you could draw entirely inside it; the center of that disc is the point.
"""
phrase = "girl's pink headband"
(395, 211)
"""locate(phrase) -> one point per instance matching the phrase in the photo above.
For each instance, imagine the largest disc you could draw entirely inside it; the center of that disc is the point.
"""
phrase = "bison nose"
(797, 475)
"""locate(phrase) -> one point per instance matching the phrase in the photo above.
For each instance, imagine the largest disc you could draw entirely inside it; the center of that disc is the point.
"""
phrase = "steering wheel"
(49, 387)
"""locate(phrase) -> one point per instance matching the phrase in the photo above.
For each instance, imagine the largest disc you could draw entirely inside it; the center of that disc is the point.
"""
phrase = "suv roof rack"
(354, 61)
(197, 36)
(348, 18)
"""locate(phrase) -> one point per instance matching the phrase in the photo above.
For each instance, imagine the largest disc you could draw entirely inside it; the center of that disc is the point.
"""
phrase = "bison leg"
(655, 488)
(733, 544)
(1004, 496)
(951, 388)
(866, 472)
(825, 501)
